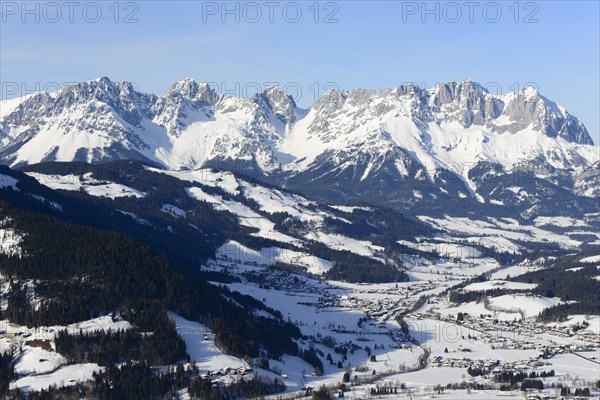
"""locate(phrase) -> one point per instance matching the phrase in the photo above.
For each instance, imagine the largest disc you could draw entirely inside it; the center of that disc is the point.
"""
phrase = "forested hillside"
(68, 273)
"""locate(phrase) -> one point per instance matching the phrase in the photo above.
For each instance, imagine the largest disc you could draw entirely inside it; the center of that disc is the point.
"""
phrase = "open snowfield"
(574, 269)
(561, 222)
(8, 181)
(499, 284)
(201, 347)
(512, 271)
(340, 242)
(464, 268)
(310, 321)
(349, 209)
(103, 323)
(112, 190)
(442, 335)
(489, 230)
(593, 322)
(86, 183)
(591, 259)
(477, 309)
(233, 251)
(429, 376)
(35, 361)
(576, 366)
(272, 200)
(529, 305)
(64, 376)
(444, 249)
(221, 179)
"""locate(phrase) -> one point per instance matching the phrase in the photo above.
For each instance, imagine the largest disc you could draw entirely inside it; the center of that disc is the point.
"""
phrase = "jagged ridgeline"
(452, 147)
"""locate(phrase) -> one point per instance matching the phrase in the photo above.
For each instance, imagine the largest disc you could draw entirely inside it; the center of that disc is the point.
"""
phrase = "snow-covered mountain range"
(437, 143)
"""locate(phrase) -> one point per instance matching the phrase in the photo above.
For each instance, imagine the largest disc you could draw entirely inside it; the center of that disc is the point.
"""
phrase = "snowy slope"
(86, 183)
(200, 346)
(10, 240)
(8, 181)
(529, 305)
(446, 131)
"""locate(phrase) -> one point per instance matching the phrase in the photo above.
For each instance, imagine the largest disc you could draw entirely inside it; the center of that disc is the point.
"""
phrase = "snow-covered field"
(272, 200)
(37, 363)
(300, 307)
(499, 284)
(562, 222)
(593, 322)
(444, 249)
(591, 259)
(86, 183)
(531, 306)
(222, 179)
(340, 242)
(201, 347)
(451, 340)
(477, 309)
(457, 268)
(63, 376)
(513, 271)
(576, 367)
(233, 251)
(499, 233)
(8, 181)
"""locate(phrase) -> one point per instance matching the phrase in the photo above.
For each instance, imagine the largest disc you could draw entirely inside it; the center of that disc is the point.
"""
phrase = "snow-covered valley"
(458, 317)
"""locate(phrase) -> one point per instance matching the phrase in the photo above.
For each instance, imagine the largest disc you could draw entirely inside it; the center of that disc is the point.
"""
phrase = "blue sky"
(551, 44)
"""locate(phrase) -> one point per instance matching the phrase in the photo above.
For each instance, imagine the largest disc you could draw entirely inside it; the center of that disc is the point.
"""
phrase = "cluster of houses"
(486, 365)
(228, 375)
(284, 281)
(385, 304)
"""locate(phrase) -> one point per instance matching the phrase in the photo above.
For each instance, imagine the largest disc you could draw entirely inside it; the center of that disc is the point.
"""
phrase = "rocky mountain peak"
(279, 103)
(528, 108)
(189, 89)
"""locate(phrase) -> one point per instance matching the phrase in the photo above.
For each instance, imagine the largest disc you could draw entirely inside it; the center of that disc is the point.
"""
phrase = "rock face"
(401, 146)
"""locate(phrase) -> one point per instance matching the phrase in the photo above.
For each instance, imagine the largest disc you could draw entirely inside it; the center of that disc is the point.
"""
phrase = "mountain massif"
(406, 147)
